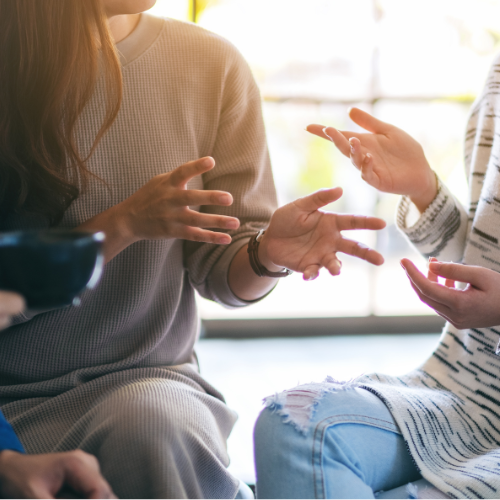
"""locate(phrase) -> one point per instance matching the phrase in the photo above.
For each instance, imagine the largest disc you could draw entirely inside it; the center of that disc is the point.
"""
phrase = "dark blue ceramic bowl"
(50, 268)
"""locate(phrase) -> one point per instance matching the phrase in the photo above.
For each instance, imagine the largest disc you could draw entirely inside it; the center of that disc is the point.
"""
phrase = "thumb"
(457, 272)
(319, 199)
(369, 122)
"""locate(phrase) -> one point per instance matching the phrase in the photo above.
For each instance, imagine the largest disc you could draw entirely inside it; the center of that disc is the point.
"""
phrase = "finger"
(318, 199)
(203, 236)
(41, 491)
(357, 155)
(195, 197)
(346, 222)
(368, 172)
(183, 174)
(11, 304)
(449, 283)
(311, 272)
(369, 122)
(430, 275)
(441, 309)
(361, 251)
(332, 263)
(84, 477)
(197, 219)
(458, 272)
(4, 321)
(433, 291)
(319, 130)
(332, 134)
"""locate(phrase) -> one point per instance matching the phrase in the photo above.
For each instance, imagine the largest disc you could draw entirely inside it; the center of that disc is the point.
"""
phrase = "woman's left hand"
(476, 306)
(304, 239)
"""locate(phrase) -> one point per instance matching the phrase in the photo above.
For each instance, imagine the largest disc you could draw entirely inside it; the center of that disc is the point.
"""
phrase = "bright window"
(417, 64)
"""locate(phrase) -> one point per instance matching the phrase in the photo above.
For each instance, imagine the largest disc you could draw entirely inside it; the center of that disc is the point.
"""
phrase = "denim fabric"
(352, 448)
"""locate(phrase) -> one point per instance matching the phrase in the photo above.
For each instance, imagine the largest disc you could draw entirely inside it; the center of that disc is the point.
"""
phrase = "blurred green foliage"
(317, 173)
(197, 7)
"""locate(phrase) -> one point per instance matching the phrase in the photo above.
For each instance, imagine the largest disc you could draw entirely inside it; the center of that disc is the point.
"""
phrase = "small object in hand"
(258, 268)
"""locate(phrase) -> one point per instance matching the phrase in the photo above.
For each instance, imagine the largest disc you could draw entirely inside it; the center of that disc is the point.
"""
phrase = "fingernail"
(225, 199)
(435, 265)
(232, 224)
(223, 241)
(207, 162)
(326, 133)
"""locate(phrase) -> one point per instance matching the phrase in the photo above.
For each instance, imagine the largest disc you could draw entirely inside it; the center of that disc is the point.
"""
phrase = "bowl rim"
(10, 238)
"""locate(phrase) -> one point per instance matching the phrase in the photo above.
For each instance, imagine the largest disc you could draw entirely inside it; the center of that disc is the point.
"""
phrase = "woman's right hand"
(389, 159)
(160, 210)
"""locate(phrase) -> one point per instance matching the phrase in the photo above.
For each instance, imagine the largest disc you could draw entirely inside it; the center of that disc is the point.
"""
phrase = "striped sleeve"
(441, 231)
(8, 438)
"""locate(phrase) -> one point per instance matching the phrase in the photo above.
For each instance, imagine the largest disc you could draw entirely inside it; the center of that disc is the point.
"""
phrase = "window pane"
(298, 47)
(436, 48)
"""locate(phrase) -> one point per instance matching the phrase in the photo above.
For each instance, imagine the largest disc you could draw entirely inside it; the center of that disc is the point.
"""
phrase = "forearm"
(112, 224)
(243, 281)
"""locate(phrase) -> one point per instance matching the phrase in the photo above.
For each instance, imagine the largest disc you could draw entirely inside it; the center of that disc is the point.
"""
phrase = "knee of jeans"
(297, 406)
(271, 437)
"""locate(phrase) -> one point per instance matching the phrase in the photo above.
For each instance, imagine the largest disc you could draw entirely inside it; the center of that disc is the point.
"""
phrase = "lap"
(156, 432)
(308, 432)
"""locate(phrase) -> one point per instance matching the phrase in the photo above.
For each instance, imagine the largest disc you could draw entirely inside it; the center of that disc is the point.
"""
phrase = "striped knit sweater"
(449, 408)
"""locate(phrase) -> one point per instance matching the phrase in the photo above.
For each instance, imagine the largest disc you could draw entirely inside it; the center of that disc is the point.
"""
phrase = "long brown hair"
(51, 54)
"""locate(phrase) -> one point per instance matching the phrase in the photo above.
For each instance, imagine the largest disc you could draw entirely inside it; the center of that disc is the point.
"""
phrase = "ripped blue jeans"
(333, 441)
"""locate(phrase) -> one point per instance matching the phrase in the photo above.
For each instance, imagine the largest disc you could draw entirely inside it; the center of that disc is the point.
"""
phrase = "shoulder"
(190, 44)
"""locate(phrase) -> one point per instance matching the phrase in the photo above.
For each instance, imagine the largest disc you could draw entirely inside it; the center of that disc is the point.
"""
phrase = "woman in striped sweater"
(439, 424)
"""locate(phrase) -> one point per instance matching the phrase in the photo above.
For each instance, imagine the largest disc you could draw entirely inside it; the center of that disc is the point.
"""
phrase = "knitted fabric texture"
(449, 409)
(117, 375)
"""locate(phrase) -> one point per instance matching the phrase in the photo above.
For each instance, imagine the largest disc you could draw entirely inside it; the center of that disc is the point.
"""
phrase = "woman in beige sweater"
(164, 150)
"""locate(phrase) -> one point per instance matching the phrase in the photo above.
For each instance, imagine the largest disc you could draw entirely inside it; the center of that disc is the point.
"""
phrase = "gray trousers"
(156, 432)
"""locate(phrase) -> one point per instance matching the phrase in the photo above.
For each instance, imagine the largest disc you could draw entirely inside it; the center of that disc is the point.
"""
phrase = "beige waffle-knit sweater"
(117, 375)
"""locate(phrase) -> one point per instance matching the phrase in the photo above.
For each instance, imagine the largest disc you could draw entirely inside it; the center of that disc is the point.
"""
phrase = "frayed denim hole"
(297, 406)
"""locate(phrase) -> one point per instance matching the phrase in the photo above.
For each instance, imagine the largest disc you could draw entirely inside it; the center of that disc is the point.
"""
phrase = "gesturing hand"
(45, 476)
(304, 239)
(389, 159)
(476, 306)
(160, 209)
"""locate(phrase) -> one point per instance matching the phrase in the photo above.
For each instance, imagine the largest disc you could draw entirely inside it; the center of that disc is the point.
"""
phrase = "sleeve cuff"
(219, 280)
(432, 231)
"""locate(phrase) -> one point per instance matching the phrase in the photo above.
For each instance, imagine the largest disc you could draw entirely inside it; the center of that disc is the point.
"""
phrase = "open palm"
(389, 159)
(304, 239)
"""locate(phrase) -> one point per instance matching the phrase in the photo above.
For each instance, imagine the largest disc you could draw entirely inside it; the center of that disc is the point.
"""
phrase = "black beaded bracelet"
(258, 268)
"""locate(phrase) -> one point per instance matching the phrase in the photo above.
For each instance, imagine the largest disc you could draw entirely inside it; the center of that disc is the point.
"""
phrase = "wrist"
(265, 259)
(423, 199)
(115, 224)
